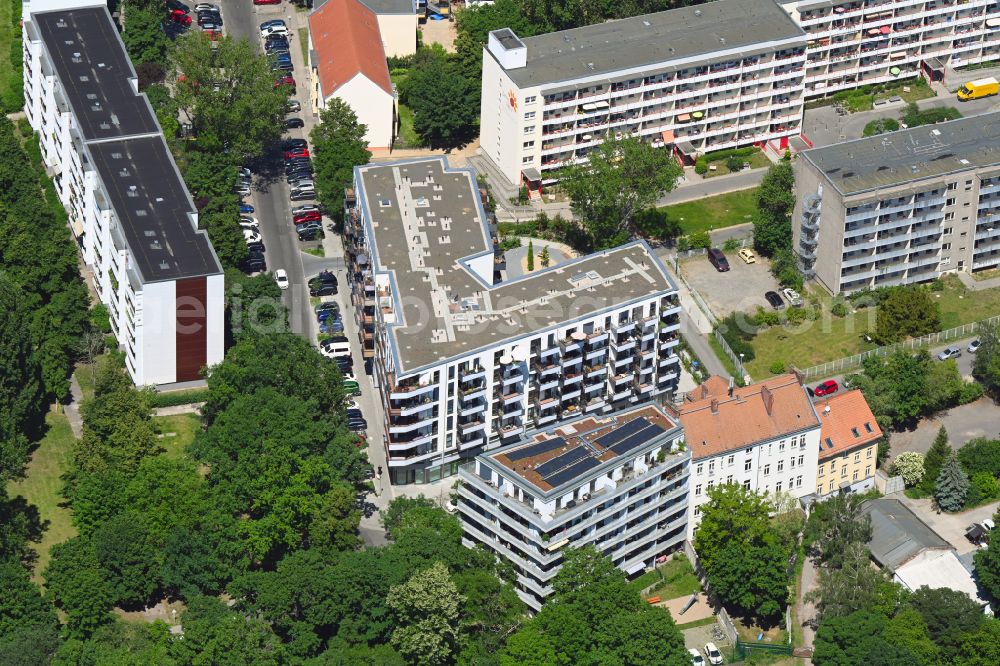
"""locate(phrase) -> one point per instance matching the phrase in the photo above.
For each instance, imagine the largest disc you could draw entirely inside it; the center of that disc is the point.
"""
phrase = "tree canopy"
(339, 145)
(621, 177)
(445, 103)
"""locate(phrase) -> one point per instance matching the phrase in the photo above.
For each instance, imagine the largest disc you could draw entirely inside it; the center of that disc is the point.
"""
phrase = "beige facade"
(849, 467)
(900, 208)
(399, 34)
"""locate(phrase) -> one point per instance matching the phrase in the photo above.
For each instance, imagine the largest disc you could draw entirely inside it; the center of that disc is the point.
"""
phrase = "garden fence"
(733, 356)
(851, 362)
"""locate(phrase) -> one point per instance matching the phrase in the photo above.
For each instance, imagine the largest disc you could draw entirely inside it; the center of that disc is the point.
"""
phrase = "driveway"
(739, 289)
(950, 526)
(977, 419)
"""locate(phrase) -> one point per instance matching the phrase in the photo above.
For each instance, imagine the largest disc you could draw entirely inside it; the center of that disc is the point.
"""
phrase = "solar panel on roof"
(565, 460)
(537, 449)
(572, 472)
(619, 434)
(638, 439)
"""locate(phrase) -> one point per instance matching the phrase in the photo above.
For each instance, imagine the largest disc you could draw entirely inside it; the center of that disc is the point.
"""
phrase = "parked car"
(256, 246)
(267, 2)
(775, 300)
(974, 346)
(323, 289)
(248, 226)
(747, 255)
(328, 305)
(180, 6)
(285, 80)
(243, 189)
(309, 228)
(712, 654)
(302, 218)
(305, 195)
(310, 235)
(306, 209)
(696, 658)
(335, 349)
(718, 259)
(206, 6)
(180, 18)
(281, 277)
(357, 426)
(299, 151)
(273, 30)
(294, 105)
(792, 296)
(246, 208)
(282, 66)
(826, 388)
(950, 352)
(293, 123)
(331, 326)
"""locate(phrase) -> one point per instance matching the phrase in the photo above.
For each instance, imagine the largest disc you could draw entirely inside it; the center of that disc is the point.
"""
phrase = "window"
(731, 460)
(802, 460)
(802, 442)
(781, 447)
(699, 468)
(781, 466)
(529, 144)
(529, 129)
(747, 465)
(829, 487)
(777, 487)
(711, 467)
(697, 511)
(855, 478)
(798, 482)
(946, 246)
(697, 490)
(729, 479)
(527, 160)
(710, 485)
(952, 186)
(843, 472)
(854, 431)
(791, 461)
(530, 99)
(868, 471)
(868, 454)
(749, 451)
(767, 470)
(946, 231)
(857, 457)
(950, 202)
(530, 115)
(822, 471)
(746, 484)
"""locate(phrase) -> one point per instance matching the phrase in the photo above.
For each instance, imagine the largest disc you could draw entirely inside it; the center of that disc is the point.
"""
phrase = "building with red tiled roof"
(764, 436)
(848, 447)
(347, 60)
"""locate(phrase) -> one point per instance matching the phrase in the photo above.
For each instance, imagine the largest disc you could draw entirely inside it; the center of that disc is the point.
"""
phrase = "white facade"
(781, 465)
(374, 107)
(399, 34)
(633, 508)
(144, 308)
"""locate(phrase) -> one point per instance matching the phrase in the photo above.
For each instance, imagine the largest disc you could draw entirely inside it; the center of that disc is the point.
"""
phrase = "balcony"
(469, 427)
(546, 370)
(593, 370)
(511, 430)
(403, 391)
(404, 424)
(473, 407)
(511, 397)
(468, 396)
(472, 375)
(572, 344)
(572, 378)
(570, 394)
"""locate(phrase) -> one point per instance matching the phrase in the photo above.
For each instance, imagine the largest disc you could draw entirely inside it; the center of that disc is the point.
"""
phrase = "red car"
(179, 17)
(826, 388)
(285, 80)
(267, 2)
(296, 153)
(306, 217)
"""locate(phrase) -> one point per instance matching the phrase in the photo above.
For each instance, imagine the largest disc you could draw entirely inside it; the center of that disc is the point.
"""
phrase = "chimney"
(715, 406)
(826, 410)
(767, 397)
(704, 391)
(732, 383)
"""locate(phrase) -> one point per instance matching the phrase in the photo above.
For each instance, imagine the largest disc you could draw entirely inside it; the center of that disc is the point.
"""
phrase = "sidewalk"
(973, 284)
(72, 409)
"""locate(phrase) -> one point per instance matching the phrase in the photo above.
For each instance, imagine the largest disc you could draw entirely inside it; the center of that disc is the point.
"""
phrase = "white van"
(335, 349)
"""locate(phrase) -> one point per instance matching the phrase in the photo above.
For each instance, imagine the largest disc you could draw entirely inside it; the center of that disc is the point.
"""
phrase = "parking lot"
(741, 288)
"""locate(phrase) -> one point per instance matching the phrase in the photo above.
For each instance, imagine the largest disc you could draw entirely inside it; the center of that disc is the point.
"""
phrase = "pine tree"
(952, 486)
(531, 256)
(543, 257)
(934, 460)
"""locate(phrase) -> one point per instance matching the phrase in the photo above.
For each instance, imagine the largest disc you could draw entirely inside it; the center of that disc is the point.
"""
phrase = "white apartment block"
(900, 208)
(464, 358)
(859, 42)
(129, 210)
(618, 482)
(692, 79)
(697, 79)
(764, 437)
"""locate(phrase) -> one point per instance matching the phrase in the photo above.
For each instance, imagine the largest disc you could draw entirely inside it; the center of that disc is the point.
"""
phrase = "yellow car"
(746, 254)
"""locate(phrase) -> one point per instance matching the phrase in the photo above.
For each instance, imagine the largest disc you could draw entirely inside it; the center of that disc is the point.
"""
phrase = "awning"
(667, 135)
(594, 106)
(685, 147)
(557, 545)
(874, 31)
(531, 174)
(684, 117)
(898, 55)
(895, 71)
(934, 64)
(993, 23)
(77, 228)
(635, 568)
(885, 30)
(697, 114)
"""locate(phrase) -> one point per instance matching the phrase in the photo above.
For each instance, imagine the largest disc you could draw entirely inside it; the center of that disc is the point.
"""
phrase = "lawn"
(176, 432)
(723, 210)
(43, 484)
(9, 72)
(676, 579)
(406, 137)
(830, 338)
(315, 251)
(85, 378)
(304, 43)
(757, 161)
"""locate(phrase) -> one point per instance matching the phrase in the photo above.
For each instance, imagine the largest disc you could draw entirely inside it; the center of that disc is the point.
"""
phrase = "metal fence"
(851, 362)
(733, 356)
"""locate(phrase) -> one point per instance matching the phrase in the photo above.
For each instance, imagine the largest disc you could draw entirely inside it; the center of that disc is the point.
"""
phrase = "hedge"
(701, 164)
(175, 398)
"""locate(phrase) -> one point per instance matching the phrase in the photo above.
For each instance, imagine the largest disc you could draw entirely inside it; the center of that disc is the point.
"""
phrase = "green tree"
(543, 257)
(906, 311)
(253, 305)
(981, 456)
(531, 256)
(426, 612)
(29, 645)
(856, 586)
(338, 146)
(620, 178)
(445, 103)
(848, 640)
(934, 459)
(908, 632)
(952, 486)
(128, 562)
(950, 616)
(646, 637)
(744, 560)
(76, 584)
(227, 89)
(835, 524)
(981, 648)
(143, 34)
(910, 466)
(226, 236)
(529, 647)
(21, 602)
(772, 226)
(986, 366)
(216, 636)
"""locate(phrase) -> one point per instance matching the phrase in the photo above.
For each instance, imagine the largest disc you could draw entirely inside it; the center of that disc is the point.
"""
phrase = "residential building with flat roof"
(900, 208)
(764, 436)
(466, 357)
(129, 209)
(692, 79)
(853, 43)
(618, 482)
(848, 444)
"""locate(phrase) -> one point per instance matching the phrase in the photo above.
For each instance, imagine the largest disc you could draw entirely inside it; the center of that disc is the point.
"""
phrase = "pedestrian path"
(978, 285)
(72, 408)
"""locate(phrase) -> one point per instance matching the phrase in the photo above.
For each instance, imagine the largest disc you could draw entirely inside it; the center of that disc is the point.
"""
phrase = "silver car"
(950, 352)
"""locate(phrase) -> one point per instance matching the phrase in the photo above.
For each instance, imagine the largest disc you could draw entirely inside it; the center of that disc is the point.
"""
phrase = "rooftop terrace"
(428, 230)
(566, 453)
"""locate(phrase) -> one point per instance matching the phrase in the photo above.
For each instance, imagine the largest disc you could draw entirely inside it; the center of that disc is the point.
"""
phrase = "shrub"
(985, 488)
(683, 244)
(175, 398)
(910, 466)
(701, 166)
(734, 163)
(777, 368)
(881, 126)
(700, 240)
(732, 244)
(839, 309)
